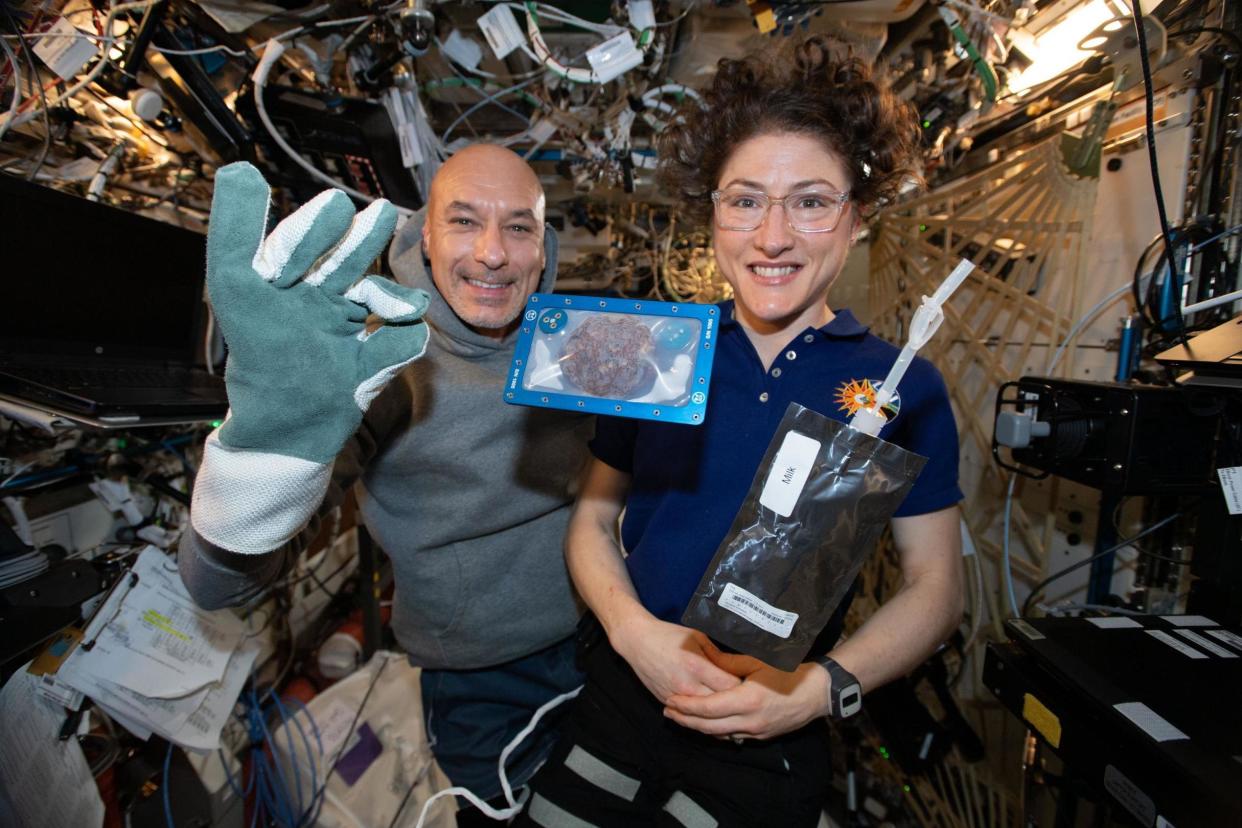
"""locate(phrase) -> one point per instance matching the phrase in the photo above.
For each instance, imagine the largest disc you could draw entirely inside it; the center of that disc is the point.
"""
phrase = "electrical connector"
(464, 51)
(613, 58)
(642, 14)
(501, 30)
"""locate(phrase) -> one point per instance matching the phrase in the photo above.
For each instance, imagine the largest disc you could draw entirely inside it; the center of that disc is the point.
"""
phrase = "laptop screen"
(87, 280)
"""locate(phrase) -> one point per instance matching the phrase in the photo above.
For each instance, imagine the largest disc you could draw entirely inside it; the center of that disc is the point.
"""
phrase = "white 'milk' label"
(788, 473)
(758, 611)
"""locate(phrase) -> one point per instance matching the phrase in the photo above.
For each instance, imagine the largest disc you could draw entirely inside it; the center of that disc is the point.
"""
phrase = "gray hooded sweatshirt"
(467, 495)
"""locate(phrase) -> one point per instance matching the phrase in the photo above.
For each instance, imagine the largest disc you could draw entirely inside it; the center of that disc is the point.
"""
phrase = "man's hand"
(671, 660)
(302, 368)
(293, 307)
(766, 703)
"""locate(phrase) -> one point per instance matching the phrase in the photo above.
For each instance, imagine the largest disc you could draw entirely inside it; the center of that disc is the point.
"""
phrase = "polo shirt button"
(763, 397)
(791, 355)
(809, 338)
(776, 372)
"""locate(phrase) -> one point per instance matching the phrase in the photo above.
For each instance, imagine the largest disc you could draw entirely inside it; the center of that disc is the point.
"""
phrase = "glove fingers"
(384, 354)
(238, 220)
(388, 299)
(295, 244)
(370, 231)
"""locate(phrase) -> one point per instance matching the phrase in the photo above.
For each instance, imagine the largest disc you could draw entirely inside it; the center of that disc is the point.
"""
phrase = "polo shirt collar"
(842, 326)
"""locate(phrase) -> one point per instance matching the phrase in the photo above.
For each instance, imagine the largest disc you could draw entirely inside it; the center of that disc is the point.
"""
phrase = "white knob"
(146, 103)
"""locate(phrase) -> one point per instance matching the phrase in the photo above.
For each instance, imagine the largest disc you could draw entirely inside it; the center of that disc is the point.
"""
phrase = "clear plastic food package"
(623, 357)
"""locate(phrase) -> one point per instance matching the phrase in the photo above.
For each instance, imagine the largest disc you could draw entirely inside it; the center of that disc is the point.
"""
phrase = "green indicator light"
(922, 228)
(217, 423)
(926, 124)
(906, 788)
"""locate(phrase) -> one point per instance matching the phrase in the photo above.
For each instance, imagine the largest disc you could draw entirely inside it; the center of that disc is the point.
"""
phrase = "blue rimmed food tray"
(625, 357)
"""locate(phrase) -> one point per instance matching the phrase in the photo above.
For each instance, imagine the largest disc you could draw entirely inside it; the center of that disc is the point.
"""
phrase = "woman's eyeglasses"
(811, 211)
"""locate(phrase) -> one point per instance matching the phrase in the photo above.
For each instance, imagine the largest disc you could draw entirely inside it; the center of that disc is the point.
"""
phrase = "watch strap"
(845, 693)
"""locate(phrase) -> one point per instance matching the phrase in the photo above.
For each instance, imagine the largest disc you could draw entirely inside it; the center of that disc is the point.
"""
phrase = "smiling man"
(469, 497)
(484, 237)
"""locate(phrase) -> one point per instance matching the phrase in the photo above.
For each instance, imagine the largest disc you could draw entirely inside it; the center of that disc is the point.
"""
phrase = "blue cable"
(282, 792)
(262, 797)
(267, 790)
(35, 477)
(1231, 231)
(232, 782)
(180, 455)
(1013, 601)
(270, 799)
(293, 756)
(168, 816)
(280, 795)
(312, 812)
(314, 727)
(266, 780)
(314, 769)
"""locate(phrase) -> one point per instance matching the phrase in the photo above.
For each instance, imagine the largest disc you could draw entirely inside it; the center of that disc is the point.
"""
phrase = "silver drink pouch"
(814, 512)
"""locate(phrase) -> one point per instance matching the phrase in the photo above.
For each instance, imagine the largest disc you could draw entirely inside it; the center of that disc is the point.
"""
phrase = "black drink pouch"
(814, 512)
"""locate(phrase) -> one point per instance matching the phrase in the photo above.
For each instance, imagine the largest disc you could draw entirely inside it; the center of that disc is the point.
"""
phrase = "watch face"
(849, 701)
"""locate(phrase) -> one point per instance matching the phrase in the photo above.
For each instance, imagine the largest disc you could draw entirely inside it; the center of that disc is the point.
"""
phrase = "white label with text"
(1231, 487)
(758, 611)
(788, 473)
(1214, 649)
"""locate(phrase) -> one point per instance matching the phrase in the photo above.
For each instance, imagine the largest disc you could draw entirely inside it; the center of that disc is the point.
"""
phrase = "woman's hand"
(766, 703)
(671, 660)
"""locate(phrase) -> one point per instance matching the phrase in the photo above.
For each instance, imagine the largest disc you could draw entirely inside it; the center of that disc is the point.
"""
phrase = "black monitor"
(87, 279)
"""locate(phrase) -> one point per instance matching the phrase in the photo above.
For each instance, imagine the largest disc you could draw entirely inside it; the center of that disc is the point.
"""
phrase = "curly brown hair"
(807, 89)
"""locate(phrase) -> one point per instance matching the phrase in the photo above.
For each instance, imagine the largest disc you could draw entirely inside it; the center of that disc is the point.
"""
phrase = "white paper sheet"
(34, 763)
(201, 730)
(157, 642)
(193, 721)
(150, 639)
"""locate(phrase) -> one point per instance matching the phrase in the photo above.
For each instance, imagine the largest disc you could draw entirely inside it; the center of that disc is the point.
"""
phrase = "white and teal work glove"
(302, 368)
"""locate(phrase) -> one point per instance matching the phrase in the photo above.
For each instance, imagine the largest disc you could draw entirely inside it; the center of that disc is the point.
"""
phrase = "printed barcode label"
(1116, 623)
(1027, 630)
(1184, 649)
(1227, 637)
(1214, 649)
(757, 611)
(1231, 488)
(1190, 620)
(1149, 721)
(407, 140)
(788, 473)
(66, 50)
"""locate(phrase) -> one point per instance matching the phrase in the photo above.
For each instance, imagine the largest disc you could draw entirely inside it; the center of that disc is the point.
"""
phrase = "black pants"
(622, 763)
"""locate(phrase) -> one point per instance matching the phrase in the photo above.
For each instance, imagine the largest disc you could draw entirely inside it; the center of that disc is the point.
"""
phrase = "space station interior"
(229, 597)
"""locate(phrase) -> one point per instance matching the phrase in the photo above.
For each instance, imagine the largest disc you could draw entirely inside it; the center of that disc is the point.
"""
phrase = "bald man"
(469, 497)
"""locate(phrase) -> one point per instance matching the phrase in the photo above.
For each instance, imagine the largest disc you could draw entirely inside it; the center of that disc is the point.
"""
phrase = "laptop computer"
(102, 310)
(1213, 357)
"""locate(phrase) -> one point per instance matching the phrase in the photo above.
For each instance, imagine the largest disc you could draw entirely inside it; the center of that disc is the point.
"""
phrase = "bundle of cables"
(1158, 290)
(275, 798)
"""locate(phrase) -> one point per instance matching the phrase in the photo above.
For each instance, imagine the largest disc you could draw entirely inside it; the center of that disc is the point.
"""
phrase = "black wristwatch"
(846, 692)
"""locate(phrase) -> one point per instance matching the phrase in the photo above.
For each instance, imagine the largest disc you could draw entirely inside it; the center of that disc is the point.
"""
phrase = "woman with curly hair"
(785, 159)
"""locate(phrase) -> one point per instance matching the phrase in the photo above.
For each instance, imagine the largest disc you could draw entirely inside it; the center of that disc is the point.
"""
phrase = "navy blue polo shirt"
(688, 482)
